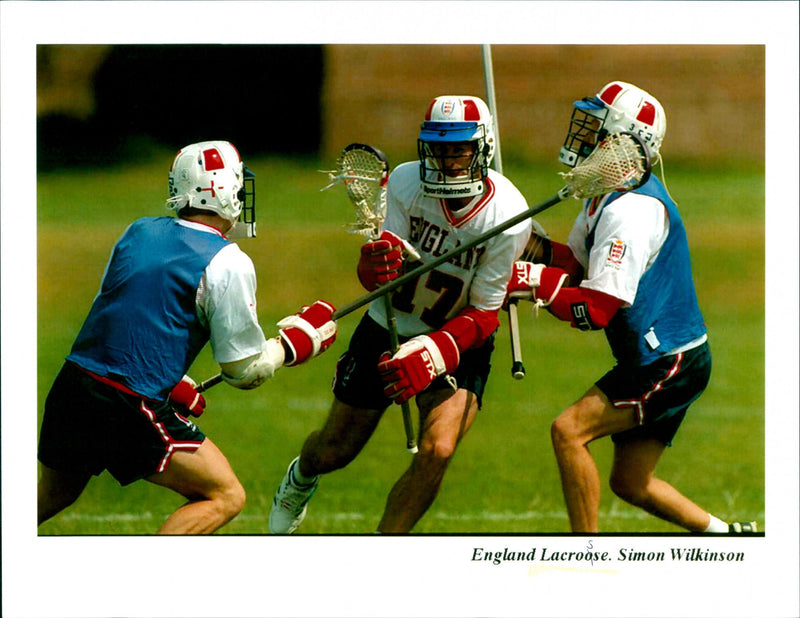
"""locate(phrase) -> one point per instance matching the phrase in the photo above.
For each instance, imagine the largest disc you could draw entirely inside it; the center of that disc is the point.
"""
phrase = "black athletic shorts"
(90, 426)
(659, 393)
(358, 383)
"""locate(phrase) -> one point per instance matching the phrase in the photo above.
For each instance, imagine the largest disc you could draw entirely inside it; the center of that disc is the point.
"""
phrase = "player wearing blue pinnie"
(626, 269)
(446, 318)
(122, 401)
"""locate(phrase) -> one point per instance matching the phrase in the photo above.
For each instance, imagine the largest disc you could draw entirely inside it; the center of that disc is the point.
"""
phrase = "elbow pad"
(255, 370)
(472, 327)
(585, 309)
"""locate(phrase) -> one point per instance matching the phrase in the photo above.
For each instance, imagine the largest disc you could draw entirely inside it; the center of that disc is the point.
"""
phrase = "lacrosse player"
(121, 401)
(446, 319)
(626, 269)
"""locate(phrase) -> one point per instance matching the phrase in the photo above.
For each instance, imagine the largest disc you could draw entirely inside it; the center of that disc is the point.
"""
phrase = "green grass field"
(504, 478)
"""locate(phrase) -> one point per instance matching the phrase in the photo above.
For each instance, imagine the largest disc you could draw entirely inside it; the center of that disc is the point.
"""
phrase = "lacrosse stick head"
(619, 163)
(364, 171)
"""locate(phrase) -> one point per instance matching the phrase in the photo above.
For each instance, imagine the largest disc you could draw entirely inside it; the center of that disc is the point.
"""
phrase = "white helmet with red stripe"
(455, 146)
(618, 107)
(211, 176)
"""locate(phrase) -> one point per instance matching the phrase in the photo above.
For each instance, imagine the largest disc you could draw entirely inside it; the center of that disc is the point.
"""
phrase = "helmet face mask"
(211, 176)
(455, 147)
(245, 225)
(619, 107)
(585, 131)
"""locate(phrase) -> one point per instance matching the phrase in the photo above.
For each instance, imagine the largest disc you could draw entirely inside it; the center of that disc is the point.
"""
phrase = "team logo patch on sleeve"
(615, 253)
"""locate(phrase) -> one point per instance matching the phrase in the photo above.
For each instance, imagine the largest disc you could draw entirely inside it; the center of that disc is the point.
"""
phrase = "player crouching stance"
(121, 401)
(625, 268)
(446, 319)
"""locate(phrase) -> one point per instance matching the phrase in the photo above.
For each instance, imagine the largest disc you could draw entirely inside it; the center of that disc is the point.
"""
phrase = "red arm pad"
(472, 327)
(583, 308)
(561, 257)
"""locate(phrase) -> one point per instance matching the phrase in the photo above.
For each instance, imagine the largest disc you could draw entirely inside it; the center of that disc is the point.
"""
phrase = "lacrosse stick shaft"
(488, 75)
(206, 384)
(517, 368)
(428, 266)
(408, 425)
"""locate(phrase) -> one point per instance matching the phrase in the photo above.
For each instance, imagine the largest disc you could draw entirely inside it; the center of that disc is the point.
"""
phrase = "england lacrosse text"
(432, 239)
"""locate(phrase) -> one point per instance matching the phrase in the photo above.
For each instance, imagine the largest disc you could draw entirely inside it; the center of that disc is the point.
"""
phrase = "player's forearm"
(541, 250)
(562, 257)
(254, 370)
(583, 308)
(472, 327)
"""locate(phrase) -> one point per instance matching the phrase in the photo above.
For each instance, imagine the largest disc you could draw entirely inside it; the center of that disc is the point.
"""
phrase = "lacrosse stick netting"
(619, 163)
(364, 172)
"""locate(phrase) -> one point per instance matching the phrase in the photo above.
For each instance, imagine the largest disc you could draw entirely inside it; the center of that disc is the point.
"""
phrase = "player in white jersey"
(446, 318)
(626, 269)
(121, 401)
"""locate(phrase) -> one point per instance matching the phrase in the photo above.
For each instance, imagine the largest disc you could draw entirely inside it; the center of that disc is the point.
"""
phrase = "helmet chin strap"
(660, 163)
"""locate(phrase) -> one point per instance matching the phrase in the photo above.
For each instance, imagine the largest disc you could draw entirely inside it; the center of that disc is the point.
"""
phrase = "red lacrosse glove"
(417, 363)
(381, 260)
(309, 332)
(185, 399)
(536, 282)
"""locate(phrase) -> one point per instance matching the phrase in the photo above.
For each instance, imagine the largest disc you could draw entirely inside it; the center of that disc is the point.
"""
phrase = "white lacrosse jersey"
(226, 305)
(478, 277)
(626, 242)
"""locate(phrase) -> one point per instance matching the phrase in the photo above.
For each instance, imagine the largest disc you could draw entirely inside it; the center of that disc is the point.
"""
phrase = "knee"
(629, 489)
(232, 500)
(562, 434)
(434, 456)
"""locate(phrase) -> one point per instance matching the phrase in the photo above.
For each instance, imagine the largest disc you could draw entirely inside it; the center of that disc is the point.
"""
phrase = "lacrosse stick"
(517, 368)
(364, 171)
(618, 163)
(206, 384)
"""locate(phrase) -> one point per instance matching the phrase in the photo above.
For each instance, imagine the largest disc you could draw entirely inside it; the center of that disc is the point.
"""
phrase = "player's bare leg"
(207, 480)
(449, 417)
(345, 432)
(632, 480)
(57, 490)
(591, 417)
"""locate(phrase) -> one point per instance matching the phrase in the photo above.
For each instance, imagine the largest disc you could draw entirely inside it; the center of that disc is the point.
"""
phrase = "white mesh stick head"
(619, 163)
(364, 171)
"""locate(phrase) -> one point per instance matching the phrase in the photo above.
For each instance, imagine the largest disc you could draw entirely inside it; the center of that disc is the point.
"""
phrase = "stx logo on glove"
(416, 364)
(523, 274)
(428, 364)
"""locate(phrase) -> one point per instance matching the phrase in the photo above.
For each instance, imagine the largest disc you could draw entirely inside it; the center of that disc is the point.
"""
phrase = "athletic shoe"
(290, 503)
(742, 527)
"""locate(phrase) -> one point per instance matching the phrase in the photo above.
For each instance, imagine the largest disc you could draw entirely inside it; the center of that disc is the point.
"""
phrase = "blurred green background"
(504, 478)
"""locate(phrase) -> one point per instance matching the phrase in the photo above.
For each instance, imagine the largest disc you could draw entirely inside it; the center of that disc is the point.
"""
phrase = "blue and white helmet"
(618, 107)
(453, 119)
(211, 176)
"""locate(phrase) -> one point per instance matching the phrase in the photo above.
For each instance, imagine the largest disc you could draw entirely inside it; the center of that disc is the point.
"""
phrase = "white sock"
(299, 479)
(716, 525)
